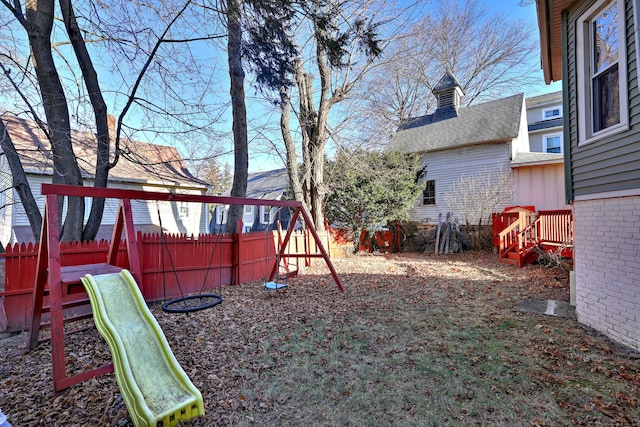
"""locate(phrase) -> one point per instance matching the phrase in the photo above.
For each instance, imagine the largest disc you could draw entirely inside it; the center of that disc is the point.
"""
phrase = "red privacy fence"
(172, 265)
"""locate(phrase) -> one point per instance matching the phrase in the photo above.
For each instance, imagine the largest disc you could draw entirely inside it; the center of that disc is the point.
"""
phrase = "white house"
(142, 166)
(455, 141)
(269, 185)
(538, 176)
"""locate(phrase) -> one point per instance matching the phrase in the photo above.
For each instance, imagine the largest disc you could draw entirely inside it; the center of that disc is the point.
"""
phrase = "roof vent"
(449, 94)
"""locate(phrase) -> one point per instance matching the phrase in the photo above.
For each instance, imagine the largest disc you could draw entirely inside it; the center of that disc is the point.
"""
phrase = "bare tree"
(39, 73)
(475, 196)
(240, 138)
(490, 55)
(342, 47)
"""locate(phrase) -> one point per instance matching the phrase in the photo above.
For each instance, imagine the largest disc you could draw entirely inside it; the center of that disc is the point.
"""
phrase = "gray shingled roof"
(544, 99)
(492, 121)
(526, 159)
(448, 81)
(141, 161)
(268, 185)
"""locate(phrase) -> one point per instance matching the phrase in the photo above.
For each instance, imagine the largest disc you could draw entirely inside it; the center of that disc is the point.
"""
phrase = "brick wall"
(607, 267)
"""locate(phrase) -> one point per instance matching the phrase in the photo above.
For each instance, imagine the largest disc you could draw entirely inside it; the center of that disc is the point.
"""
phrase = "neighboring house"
(538, 176)
(271, 185)
(544, 119)
(142, 166)
(478, 139)
(593, 47)
(538, 180)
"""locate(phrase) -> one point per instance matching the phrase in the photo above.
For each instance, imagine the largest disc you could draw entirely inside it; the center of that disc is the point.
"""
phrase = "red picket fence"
(172, 265)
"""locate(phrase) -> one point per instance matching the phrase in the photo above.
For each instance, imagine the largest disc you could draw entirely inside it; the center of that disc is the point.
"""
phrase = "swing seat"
(274, 286)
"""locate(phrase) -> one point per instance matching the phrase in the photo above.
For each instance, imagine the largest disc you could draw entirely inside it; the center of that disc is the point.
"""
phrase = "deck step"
(509, 261)
(513, 255)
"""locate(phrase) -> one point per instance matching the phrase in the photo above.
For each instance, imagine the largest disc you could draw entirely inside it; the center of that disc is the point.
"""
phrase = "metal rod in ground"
(438, 231)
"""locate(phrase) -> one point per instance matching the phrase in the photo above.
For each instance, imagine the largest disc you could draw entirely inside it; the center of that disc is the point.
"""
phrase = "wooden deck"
(522, 239)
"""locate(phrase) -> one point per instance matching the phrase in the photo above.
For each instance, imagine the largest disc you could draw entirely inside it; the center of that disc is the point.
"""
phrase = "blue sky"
(527, 13)
(262, 162)
(259, 161)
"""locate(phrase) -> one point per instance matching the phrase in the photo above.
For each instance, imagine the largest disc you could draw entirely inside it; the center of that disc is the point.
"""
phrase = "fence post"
(237, 242)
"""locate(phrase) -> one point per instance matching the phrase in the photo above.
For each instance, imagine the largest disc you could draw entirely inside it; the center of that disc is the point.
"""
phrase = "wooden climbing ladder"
(62, 282)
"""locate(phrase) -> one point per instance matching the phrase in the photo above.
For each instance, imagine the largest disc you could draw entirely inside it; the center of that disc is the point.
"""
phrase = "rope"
(164, 241)
(213, 299)
(206, 274)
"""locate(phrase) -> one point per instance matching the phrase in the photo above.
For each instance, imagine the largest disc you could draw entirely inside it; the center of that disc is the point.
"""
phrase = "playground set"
(155, 388)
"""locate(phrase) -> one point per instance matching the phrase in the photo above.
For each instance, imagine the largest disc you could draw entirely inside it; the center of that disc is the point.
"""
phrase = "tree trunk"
(238, 108)
(307, 119)
(318, 139)
(20, 182)
(293, 168)
(40, 15)
(90, 78)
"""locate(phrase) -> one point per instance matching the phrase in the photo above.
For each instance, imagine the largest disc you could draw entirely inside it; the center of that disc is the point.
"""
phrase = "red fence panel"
(180, 265)
(172, 265)
(20, 268)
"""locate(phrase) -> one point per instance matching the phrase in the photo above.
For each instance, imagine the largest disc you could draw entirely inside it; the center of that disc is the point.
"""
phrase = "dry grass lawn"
(415, 340)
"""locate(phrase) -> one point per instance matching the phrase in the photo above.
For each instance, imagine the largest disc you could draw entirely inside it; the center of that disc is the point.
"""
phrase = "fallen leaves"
(450, 320)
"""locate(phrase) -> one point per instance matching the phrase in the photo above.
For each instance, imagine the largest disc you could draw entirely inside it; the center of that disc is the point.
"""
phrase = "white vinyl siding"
(144, 212)
(222, 213)
(445, 168)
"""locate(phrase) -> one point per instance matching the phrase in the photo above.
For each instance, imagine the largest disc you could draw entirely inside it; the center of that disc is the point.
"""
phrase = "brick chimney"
(111, 123)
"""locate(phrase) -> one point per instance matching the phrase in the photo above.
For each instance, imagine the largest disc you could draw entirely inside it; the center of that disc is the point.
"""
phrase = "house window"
(551, 113)
(429, 193)
(183, 210)
(3, 203)
(221, 214)
(266, 216)
(88, 201)
(602, 71)
(248, 210)
(552, 143)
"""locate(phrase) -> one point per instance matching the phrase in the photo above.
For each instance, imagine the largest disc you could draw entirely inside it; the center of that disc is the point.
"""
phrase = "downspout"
(547, 17)
(566, 134)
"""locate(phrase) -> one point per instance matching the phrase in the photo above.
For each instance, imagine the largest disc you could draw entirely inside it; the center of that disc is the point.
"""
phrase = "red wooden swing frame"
(58, 280)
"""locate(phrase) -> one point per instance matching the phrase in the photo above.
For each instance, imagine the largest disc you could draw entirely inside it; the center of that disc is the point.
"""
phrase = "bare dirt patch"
(414, 340)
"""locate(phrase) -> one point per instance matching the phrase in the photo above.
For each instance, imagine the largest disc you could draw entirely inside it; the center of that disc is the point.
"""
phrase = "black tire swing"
(195, 302)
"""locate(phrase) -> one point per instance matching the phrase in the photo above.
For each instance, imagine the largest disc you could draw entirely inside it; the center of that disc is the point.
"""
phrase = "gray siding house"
(142, 166)
(270, 185)
(538, 176)
(455, 141)
(544, 119)
(593, 47)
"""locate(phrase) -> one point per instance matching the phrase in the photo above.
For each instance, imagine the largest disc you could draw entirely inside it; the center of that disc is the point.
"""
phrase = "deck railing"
(555, 227)
(545, 229)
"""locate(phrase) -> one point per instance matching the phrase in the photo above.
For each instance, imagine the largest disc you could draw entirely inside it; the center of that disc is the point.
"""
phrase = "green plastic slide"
(154, 386)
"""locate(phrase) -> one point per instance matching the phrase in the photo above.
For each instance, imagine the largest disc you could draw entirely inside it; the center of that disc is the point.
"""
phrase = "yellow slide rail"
(154, 386)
